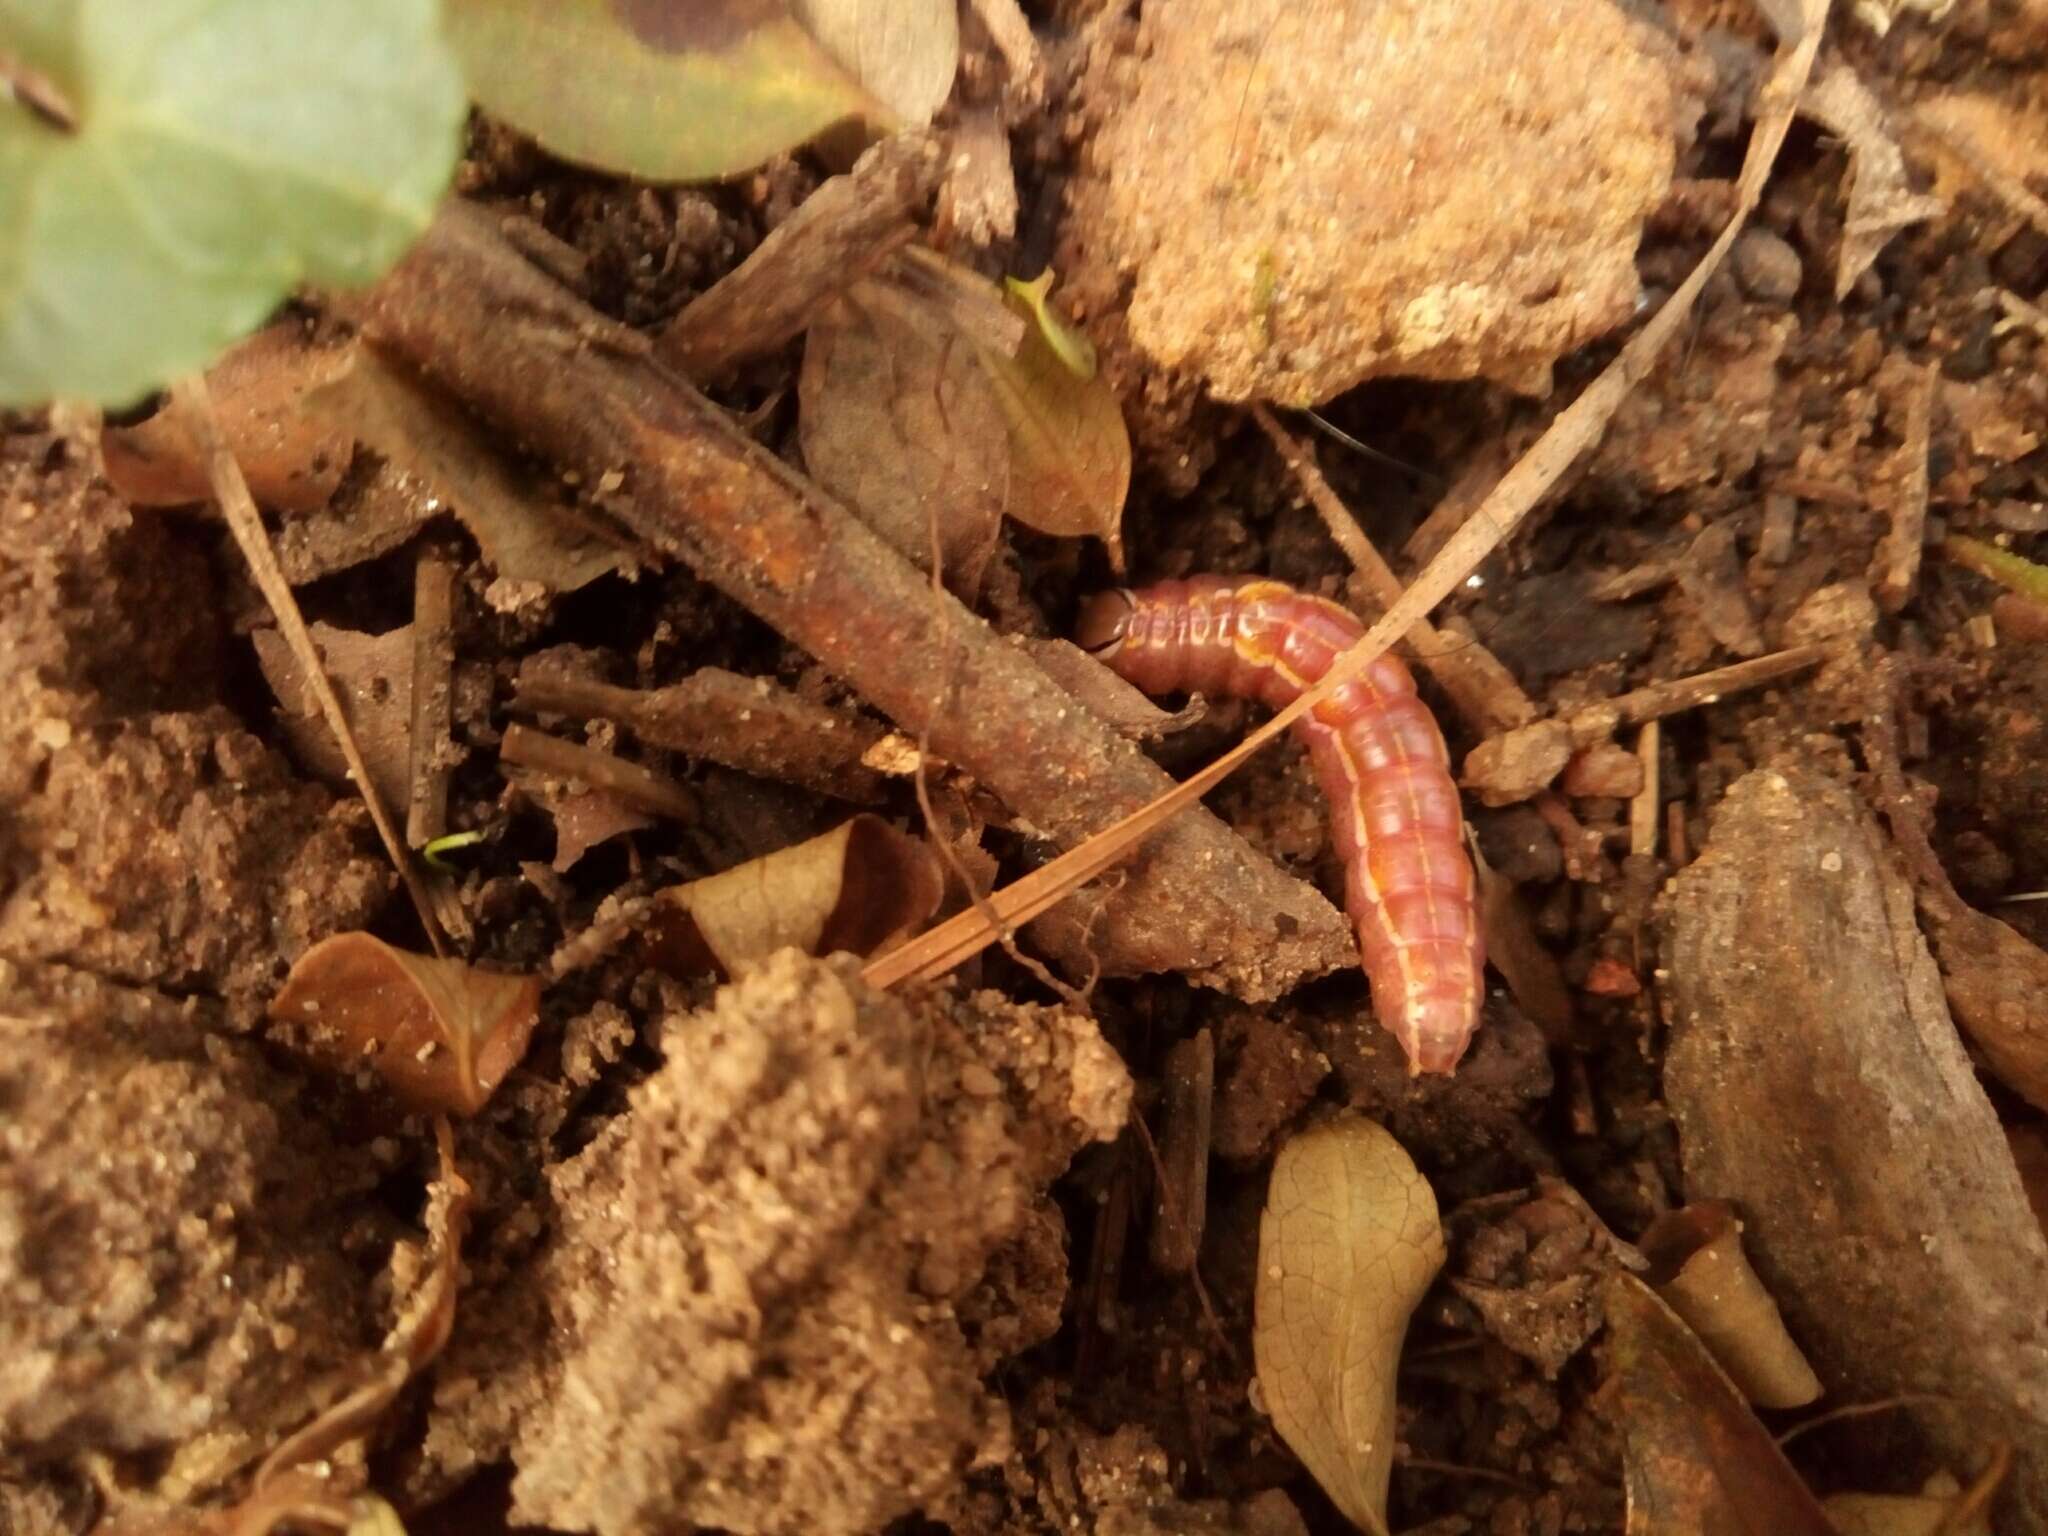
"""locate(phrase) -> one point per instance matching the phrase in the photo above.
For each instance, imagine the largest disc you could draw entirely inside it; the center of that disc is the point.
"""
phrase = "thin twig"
(1642, 811)
(1865, 1410)
(1898, 554)
(1484, 691)
(639, 787)
(231, 490)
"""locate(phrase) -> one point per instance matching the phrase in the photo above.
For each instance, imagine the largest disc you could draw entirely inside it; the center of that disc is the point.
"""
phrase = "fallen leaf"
(1695, 1460)
(1699, 1269)
(1899, 1514)
(372, 676)
(585, 819)
(689, 90)
(1070, 454)
(854, 888)
(216, 155)
(440, 1033)
(525, 535)
(1881, 197)
(900, 422)
(292, 461)
(1348, 1243)
(902, 52)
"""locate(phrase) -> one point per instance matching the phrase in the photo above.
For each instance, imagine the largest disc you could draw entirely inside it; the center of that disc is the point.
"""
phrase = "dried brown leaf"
(1070, 455)
(524, 533)
(902, 52)
(440, 1033)
(854, 888)
(1881, 197)
(292, 460)
(900, 422)
(1696, 1461)
(1700, 1270)
(1996, 980)
(1348, 1244)
(372, 676)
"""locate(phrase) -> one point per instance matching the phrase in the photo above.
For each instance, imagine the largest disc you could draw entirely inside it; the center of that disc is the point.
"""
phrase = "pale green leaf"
(669, 90)
(223, 152)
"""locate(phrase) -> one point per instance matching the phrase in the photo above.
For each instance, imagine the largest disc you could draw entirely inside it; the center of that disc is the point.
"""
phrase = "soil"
(797, 1254)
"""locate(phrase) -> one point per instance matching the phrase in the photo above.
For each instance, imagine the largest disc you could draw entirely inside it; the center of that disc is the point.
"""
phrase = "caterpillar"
(1409, 886)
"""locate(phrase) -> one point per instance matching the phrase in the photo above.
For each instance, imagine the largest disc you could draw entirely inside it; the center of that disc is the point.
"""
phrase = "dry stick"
(638, 786)
(839, 232)
(1641, 705)
(1483, 690)
(465, 309)
(1577, 427)
(1642, 811)
(239, 508)
(1899, 552)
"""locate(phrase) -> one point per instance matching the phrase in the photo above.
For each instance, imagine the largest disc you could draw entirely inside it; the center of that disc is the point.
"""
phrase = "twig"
(1483, 690)
(1642, 811)
(1898, 554)
(1865, 1410)
(1974, 1502)
(841, 231)
(741, 722)
(638, 786)
(433, 704)
(246, 523)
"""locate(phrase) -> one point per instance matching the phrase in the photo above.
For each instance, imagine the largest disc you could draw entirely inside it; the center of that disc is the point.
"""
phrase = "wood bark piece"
(1818, 1083)
(843, 229)
(746, 723)
(464, 308)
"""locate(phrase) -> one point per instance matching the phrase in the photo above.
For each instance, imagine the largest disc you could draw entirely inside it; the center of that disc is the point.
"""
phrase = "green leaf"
(690, 90)
(221, 152)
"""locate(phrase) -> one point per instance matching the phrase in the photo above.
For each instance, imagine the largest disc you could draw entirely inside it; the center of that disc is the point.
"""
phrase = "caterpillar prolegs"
(1394, 813)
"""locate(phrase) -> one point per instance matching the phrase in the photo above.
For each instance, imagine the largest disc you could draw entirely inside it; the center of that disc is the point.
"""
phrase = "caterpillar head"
(1105, 622)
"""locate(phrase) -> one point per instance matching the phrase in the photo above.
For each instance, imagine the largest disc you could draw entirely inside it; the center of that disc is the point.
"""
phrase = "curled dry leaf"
(687, 90)
(1348, 1243)
(900, 421)
(1070, 454)
(372, 676)
(292, 461)
(440, 1033)
(1700, 1270)
(1694, 1457)
(1881, 197)
(855, 888)
(524, 533)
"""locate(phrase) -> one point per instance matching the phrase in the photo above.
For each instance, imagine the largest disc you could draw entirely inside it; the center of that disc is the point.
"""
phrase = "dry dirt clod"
(1308, 197)
(781, 1274)
(1817, 1082)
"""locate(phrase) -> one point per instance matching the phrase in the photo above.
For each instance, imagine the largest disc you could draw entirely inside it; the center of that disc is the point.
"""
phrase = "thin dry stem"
(1899, 553)
(1642, 811)
(639, 787)
(246, 523)
(1483, 690)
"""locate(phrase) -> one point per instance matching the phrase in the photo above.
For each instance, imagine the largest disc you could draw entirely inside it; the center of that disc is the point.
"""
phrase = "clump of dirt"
(175, 1233)
(1442, 191)
(778, 1280)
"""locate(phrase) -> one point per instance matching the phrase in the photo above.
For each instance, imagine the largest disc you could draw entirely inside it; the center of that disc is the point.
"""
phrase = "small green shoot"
(1072, 348)
(432, 851)
(2013, 572)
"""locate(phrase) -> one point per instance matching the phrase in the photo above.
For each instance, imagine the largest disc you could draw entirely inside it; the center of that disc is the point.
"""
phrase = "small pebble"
(1766, 267)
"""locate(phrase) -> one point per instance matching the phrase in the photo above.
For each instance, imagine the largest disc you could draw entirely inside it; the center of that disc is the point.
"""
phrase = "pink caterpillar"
(1394, 810)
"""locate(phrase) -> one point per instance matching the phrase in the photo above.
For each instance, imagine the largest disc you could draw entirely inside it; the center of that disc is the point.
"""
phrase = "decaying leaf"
(903, 53)
(1348, 1243)
(372, 676)
(854, 888)
(1701, 1272)
(523, 532)
(440, 1033)
(1696, 1461)
(899, 421)
(1881, 198)
(687, 90)
(1996, 979)
(1070, 455)
(292, 461)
